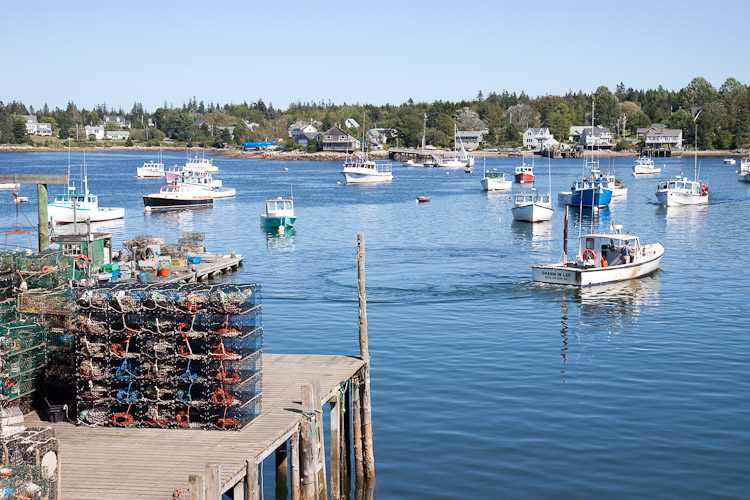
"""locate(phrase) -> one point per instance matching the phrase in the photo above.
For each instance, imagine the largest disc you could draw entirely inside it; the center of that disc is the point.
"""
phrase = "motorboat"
(359, 170)
(745, 169)
(10, 186)
(617, 186)
(492, 180)
(279, 213)
(150, 169)
(625, 257)
(681, 191)
(412, 163)
(524, 173)
(452, 163)
(423, 199)
(532, 207)
(644, 165)
(587, 193)
(71, 206)
(730, 161)
(21, 199)
(205, 183)
(176, 196)
(201, 164)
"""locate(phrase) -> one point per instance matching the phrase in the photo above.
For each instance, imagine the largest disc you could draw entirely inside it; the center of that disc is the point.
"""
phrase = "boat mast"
(695, 120)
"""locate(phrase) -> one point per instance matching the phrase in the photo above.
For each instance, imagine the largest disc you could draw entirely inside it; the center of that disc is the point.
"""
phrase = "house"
(299, 128)
(598, 136)
(306, 138)
(34, 127)
(119, 120)
(380, 136)
(336, 139)
(351, 123)
(534, 137)
(663, 138)
(231, 130)
(640, 133)
(471, 139)
(117, 135)
(550, 144)
(97, 131)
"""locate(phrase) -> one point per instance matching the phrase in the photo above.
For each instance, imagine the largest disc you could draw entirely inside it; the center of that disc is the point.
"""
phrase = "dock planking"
(112, 463)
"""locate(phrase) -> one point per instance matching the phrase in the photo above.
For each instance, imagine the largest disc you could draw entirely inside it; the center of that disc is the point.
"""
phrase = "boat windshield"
(277, 205)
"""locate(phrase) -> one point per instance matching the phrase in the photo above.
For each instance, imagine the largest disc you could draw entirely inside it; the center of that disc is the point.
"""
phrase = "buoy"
(148, 209)
(285, 168)
(339, 182)
(281, 229)
(499, 219)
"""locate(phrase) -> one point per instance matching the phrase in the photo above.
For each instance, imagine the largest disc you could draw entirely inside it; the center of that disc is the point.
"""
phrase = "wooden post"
(252, 490)
(197, 489)
(364, 350)
(565, 237)
(240, 490)
(294, 452)
(43, 217)
(320, 448)
(346, 443)
(357, 425)
(307, 445)
(335, 446)
(282, 468)
(368, 455)
(213, 481)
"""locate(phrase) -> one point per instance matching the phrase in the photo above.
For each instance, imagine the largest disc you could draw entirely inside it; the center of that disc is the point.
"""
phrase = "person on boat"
(625, 252)
(604, 259)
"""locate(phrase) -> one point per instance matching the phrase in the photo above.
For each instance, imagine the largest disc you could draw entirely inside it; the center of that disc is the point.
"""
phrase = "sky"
(376, 52)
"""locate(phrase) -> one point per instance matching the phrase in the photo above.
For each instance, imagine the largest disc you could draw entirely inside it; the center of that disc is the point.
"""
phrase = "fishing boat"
(587, 193)
(625, 257)
(534, 206)
(412, 163)
(359, 170)
(201, 164)
(279, 213)
(423, 199)
(71, 206)
(744, 170)
(151, 169)
(617, 186)
(205, 183)
(176, 196)
(524, 173)
(730, 161)
(681, 190)
(495, 181)
(644, 165)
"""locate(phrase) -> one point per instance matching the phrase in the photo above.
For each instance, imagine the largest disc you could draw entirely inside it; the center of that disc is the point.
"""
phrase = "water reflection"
(585, 219)
(279, 241)
(178, 215)
(679, 216)
(538, 231)
(110, 226)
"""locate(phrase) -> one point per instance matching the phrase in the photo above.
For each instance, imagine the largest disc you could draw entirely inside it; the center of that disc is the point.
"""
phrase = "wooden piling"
(252, 484)
(294, 465)
(320, 449)
(43, 217)
(307, 446)
(357, 425)
(364, 350)
(282, 471)
(335, 446)
(197, 488)
(368, 455)
(346, 443)
(213, 481)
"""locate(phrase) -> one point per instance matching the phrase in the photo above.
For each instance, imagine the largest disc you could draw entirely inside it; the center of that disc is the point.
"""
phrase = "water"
(483, 383)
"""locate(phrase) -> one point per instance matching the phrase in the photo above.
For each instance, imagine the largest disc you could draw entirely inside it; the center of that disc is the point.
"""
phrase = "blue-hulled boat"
(587, 193)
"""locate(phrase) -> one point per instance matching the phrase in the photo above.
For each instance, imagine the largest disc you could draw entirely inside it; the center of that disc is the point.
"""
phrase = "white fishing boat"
(532, 207)
(615, 185)
(681, 190)
(71, 206)
(204, 183)
(412, 163)
(730, 161)
(359, 170)
(151, 169)
(602, 258)
(492, 180)
(644, 165)
(744, 170)
(201, 164)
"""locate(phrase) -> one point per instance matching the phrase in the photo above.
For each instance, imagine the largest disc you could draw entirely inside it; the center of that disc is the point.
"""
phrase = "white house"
(533, 138)
(597, 137)
(97, 131)
(351, 123)
(663, 138)
(33, 127)
(117, 134)
(119, 120)
(299, 128)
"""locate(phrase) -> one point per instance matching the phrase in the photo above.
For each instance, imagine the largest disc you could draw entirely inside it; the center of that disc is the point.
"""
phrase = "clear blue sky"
(368, 52)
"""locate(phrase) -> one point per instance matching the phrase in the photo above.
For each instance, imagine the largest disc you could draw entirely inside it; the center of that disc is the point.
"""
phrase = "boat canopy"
(279, 205)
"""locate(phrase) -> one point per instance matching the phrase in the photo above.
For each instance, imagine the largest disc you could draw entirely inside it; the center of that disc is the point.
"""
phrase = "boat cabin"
(588, 184)
(360, 162)
(532, 198)
(612, 246)
(77, 199)
(525, 169)
(280, 208)
(683, 185)
(494, 174)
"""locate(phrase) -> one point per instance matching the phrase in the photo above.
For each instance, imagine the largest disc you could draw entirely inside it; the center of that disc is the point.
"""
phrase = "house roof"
(338, 132)
(351, 122)
(664, 132)
(30, 118)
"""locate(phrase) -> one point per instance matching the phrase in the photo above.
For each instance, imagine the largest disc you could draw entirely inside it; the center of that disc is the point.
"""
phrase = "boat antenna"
(291, 190)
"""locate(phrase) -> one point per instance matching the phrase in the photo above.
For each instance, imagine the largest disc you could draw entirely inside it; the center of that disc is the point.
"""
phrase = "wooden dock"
(127, 464)
(195, 272)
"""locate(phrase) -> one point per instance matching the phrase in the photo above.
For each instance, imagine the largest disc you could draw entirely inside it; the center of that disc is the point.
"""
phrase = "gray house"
(336, 139)
(306, 138)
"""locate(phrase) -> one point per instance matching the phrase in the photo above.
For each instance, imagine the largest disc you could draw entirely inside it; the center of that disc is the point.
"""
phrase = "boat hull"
(65, 215)
(453, 164)
(672, 199)
(745, 177)
(586, 198)
(524, 177)
(366, 178)
(274, 222)
(490, 184)
(164, 202)
(644, 170)
(558, 274)
(532, 212)
(144, 173)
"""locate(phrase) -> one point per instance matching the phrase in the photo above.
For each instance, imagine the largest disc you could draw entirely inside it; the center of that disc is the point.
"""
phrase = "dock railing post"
(335, 403)
(252, 484)
(368, 456)
(320, 448)
(43, 217)
(213, 481)
(294, 466)
(307, 444)
(197, 489)
(357, 425)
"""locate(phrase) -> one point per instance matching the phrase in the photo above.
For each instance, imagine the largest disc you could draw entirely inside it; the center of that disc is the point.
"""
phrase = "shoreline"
(333, 156)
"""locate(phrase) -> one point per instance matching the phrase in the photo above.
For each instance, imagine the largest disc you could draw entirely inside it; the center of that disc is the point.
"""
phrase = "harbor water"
(484, 384)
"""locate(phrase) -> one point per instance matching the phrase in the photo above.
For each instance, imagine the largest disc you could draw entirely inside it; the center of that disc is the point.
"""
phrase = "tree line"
(723, 124)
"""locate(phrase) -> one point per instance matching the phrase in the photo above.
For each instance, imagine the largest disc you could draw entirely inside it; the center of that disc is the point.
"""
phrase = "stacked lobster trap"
(184, 356)
(30, 461)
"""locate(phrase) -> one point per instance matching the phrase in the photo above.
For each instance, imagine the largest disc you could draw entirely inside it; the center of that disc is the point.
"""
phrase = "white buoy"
(499, 219)
(148, 209)
(285, 169)
(339, 182)
(281, 229)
